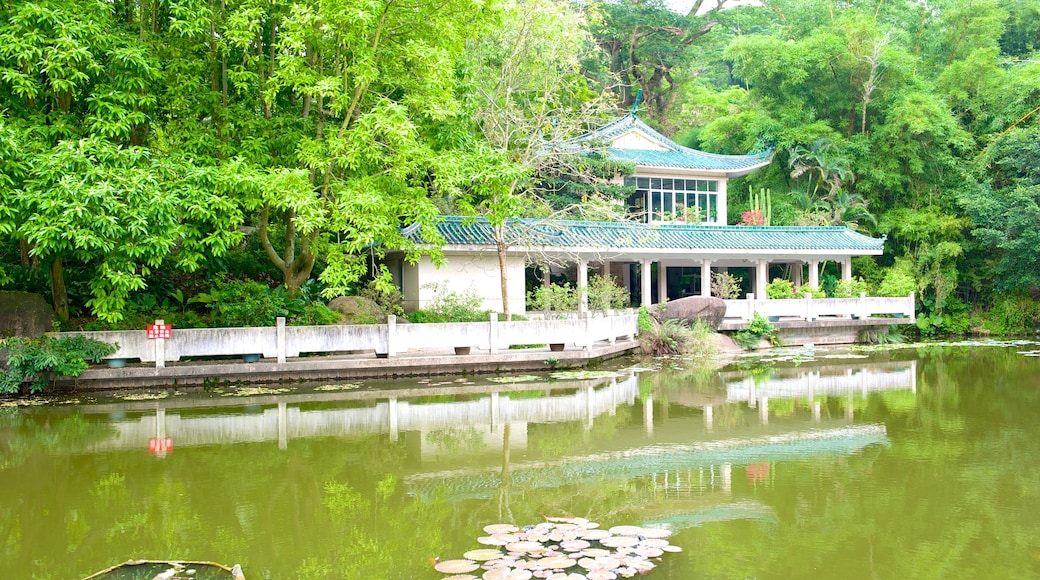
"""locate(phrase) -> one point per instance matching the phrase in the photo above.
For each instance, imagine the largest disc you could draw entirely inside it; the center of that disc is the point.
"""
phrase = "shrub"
(645, 320)
(759, 327)
(314, 314)
(243, 303)
(849, 289)
(605, 294)
(899, 280)
(725, 285)
(1012, 315)
(553, 298)
(390, 301)
(450, 306)
(29, 359)
(675, 336)
(801, 291)
(780, 289)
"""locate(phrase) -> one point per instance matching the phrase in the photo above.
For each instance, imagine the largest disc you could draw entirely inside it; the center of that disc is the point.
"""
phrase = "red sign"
(160, 447)
(159, 330)
(758, 471)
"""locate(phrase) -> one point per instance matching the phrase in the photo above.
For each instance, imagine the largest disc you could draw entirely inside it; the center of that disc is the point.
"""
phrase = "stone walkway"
(425, 362)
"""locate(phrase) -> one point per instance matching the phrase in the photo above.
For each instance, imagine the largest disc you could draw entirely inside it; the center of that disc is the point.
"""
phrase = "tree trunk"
(59, 296)
(504, 277)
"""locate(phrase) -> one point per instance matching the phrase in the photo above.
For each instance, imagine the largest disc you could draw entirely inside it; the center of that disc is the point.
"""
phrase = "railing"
(282, 342)
(810, 308)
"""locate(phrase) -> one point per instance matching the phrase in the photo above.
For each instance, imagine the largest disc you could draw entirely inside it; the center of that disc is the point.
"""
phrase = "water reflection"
(329, 484)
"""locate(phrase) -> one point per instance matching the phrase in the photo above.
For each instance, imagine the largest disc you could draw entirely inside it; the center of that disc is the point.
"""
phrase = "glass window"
(713, 186)
(643, 182)
(713, 207)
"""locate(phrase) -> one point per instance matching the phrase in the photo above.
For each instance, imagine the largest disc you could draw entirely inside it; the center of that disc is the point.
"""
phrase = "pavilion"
(678, 237)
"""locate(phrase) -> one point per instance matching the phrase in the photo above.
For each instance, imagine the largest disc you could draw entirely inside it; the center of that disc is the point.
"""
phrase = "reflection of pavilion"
(277, 420)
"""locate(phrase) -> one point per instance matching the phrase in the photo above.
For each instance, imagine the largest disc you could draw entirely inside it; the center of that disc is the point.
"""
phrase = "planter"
(774, 318)
(556, 346)
(116, 363)
(897, 315)
(251, 358)
(462, 349)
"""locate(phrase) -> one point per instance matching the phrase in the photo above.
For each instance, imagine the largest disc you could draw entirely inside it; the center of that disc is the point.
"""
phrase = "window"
(668, 199)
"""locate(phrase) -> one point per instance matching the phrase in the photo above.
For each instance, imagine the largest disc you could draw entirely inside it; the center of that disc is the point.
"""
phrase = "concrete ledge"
(825, 322)
(366, 365)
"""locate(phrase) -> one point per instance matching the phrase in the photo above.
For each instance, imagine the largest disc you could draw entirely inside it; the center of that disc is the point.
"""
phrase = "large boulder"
(24, 314)
(693, 308)
(357, 310)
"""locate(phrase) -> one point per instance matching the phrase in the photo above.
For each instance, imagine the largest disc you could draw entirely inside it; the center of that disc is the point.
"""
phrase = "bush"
(553, 298)
(849, 289)
(390, 301)
(759, 327)
(898, 281)
(605, 294)
(1013, 314)
(780, 289)
(725, 285)
(801, 291)
(675, 336)
(28, 359)
(450, 306)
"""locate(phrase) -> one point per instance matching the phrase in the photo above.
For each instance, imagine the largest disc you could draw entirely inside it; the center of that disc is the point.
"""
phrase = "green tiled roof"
(635, 236)
(672, 155)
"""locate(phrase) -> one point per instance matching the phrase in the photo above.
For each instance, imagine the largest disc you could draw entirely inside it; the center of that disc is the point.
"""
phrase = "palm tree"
(822, 164)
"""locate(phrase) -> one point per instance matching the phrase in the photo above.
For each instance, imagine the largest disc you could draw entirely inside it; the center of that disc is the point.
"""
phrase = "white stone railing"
(282, 342)
(810, 308)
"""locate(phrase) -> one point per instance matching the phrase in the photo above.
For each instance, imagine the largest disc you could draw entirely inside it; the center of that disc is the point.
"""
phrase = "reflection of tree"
(953, 496)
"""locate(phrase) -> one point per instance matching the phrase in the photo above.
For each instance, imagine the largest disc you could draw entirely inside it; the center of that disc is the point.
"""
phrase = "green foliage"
(555, 298)
(758, 327)
(801, 291)
(450, 306)
(899, 280)
(645, 320)
(780, 289)
(245, 303)
(954, 318)
(725, 285)
(28, 360)
(677, 337)
(389, 300)
(850, 288)
(606, 294)
(1013, 314)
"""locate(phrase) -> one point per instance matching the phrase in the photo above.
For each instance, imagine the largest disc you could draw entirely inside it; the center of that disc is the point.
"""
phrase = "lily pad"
(456, 566)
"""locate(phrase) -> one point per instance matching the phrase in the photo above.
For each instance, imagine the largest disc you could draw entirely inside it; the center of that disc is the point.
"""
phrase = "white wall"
(461, 272)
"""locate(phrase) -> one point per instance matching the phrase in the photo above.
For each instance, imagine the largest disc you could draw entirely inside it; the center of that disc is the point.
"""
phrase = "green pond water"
(916, 462)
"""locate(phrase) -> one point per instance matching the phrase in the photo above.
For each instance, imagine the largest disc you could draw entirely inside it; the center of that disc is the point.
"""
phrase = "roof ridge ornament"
(635, 106)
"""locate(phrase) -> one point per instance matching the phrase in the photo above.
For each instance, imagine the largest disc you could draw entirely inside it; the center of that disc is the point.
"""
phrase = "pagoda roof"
(633, 141)
(629, 237)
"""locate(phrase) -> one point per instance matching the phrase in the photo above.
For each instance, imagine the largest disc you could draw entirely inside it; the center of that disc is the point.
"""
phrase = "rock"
(725, 344)
(24, 314)
(357, 310)
(693, 308)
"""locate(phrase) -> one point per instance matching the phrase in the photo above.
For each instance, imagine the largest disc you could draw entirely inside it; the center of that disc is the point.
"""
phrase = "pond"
(910, 462)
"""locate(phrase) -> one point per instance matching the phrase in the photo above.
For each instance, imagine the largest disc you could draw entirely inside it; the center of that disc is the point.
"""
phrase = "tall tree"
(529, 95)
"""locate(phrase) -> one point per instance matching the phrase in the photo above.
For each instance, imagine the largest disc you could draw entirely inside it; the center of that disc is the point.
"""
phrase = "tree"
(530, 96)
(1005, 207)
(646, 42)
(124, 211)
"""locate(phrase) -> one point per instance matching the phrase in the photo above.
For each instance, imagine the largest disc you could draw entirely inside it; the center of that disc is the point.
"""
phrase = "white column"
(648, 414)
(706, 278)
(796, 274)
(721, 205)
(392, 416)
(814, 274)
(160, 348)
(662, 283)
(583, 284)
(761, 276)
(846, 270)
(280, 330)
(709, 417)
(605, 270)
(644, 279)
